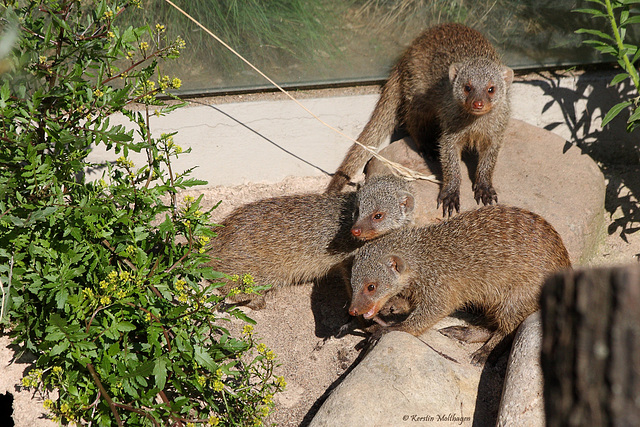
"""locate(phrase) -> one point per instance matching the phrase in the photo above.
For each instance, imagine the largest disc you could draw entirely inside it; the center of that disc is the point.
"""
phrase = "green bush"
(102, 280)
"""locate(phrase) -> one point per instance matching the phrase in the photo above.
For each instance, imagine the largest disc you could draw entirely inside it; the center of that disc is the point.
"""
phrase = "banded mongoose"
(451, 86)
(385, 203)
(494, 258)
(294, 239)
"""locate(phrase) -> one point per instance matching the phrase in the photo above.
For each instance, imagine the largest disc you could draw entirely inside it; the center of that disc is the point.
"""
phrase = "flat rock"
(402, 376)
(536, 170)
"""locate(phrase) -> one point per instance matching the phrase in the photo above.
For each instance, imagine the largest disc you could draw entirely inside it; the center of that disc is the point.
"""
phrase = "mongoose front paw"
(486, 193)
(376, 331)
(450, 199)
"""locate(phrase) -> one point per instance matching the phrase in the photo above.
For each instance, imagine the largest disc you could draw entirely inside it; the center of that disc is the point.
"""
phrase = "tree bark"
(591, 347)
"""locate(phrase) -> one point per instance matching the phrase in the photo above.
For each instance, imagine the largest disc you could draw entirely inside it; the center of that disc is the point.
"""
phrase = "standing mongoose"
(286, 240)
(494, 258)
(451, 86)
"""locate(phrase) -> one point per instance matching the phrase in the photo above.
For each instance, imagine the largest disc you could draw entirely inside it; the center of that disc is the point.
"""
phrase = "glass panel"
(300, 43)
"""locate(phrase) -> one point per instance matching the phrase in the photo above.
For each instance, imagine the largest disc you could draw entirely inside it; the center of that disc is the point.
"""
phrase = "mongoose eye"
(491, 89)
(378, 216)
(371, 287)
(467, 88)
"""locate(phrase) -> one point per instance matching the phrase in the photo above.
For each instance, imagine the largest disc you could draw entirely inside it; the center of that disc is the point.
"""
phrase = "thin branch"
(110, 402)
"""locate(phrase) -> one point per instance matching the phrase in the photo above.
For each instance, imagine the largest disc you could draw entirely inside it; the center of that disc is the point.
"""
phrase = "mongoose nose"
(478, 105)
(353, 312)
(356, 232)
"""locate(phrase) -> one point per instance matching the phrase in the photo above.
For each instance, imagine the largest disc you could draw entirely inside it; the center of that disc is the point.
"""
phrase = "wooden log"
(590, 354)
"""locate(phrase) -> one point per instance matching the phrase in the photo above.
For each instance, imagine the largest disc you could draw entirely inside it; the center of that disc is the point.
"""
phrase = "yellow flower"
(147, 317)
(159, 28)
(270, 355)
(218, 385)
(213, 420)
(48, 404)
(280, 382)
(176, 83)
(202, 380)
(180, 285)
(105, 300)
(182, 297)
(57, 370)
(42, 59)
(247, 330)
(110, 34)
(108, 14)
(261, 348)
(144, 46)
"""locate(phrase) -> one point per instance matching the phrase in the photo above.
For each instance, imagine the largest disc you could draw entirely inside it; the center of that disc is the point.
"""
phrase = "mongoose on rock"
(449, 85)
(287, 240)
(494, 258)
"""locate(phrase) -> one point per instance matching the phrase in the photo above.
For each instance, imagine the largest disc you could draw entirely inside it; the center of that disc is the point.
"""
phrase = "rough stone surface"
(552, 185)
(522, 401)
(405, 379)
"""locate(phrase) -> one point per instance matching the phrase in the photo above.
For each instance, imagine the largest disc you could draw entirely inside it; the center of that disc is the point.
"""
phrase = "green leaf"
(59, 348)
(631, 20)
(617, 79)
(614, 111)
(202, 357)
(594, 12)
(125, 326)
(635, 116)
(160, 372)
(594, 33)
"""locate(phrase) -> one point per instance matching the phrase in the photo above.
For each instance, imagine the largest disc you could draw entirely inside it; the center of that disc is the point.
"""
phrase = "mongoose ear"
(407, 203)
(453, 71)
(395, 264)
(507, 75)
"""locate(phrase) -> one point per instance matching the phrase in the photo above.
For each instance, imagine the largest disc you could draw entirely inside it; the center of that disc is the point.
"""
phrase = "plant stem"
(616, 33)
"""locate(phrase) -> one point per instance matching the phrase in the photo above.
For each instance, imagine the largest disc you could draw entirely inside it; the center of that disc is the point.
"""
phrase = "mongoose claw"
(486, 193)
(347, 328)
(376, 332)
(450, 200)
(479, 357)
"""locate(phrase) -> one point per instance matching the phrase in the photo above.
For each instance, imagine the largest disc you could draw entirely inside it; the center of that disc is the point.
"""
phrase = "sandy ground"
(299, 322)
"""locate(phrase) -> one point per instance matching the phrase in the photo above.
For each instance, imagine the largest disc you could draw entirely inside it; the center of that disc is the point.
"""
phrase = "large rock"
(403, 376)
(536, 170)
(522, 402)
(405, 379)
